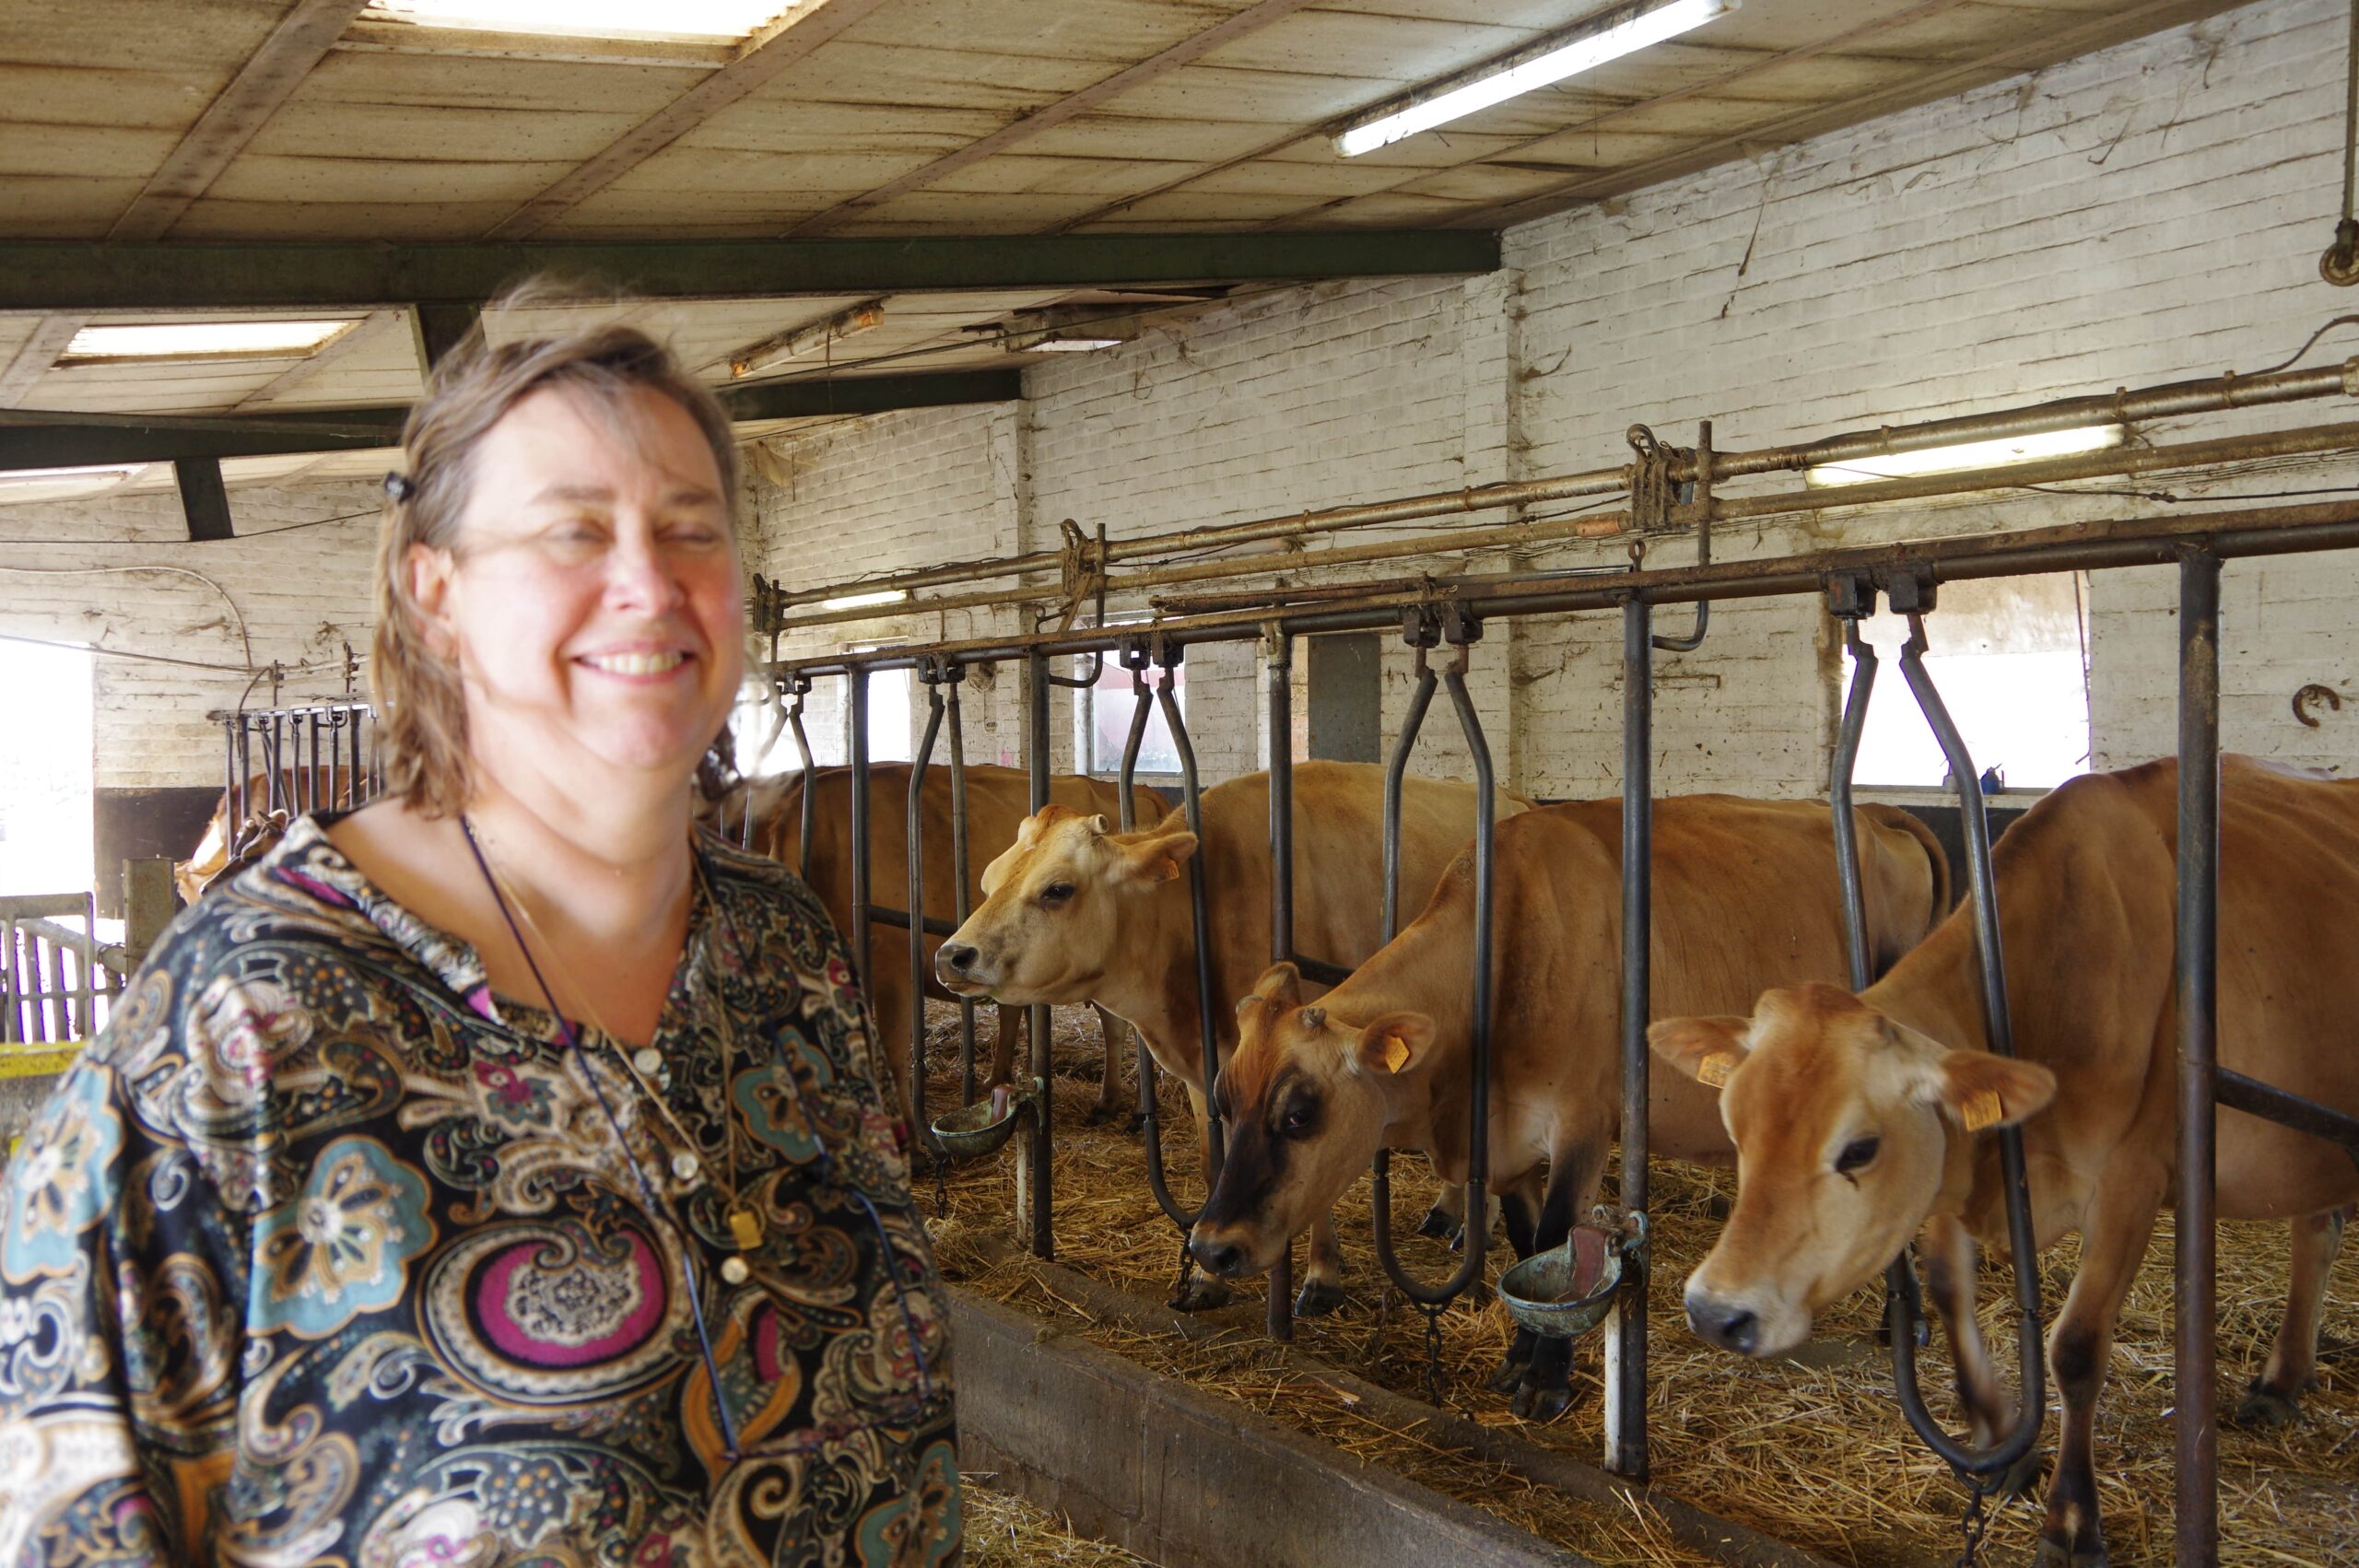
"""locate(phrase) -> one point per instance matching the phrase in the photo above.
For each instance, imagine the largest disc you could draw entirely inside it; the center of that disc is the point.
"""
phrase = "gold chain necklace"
(742, 1216)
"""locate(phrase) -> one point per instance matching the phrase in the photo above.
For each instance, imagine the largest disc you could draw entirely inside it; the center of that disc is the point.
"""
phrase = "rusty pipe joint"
(2339, 263)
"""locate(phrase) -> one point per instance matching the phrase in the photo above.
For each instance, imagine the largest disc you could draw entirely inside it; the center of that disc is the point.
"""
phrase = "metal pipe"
(1134, 659)
(962, 905)
(1997, 1024)
(2106, 542)
(1039, 1143)
(1199, 914)
(810, 815)
(1702, 507)
(856, 699)
(2205, 395)
(2267, 1101)
(1278, 675)
(913, 861)
(1395, 767)
(2194, 1318)
(1625, 1360)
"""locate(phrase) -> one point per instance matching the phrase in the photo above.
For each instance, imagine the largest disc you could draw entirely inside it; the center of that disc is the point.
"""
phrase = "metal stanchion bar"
(856, 701)
(2267, 1101)
(1134, 659)
(963, 905)
(2194, 1319)
(809, 825)
(1040, 1140)
(917, 925)
(1983, 889)
(1198, 912)
(1278, 673)
(1626, 1362)
(886, 915)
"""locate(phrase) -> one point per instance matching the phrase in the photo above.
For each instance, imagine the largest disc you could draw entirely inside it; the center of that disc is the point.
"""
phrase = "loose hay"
(1816, 1455)
(1006, 1531)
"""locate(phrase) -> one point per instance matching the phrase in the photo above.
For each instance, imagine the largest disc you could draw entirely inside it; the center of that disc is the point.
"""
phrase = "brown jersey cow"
(1080, 913)
(1855, 1117)
(1744, 891)
(229, 847)
(997, 800)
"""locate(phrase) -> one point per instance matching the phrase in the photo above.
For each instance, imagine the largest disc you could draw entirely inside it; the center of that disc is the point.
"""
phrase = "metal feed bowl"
(1567, 1291)
(974, 1132)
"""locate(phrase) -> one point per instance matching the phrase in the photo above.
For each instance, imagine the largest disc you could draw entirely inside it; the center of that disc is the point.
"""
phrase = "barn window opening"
(203, 339)
(46, 794)
(2009, 657)
(684, 21)
(1104, 720)
(1966, 456)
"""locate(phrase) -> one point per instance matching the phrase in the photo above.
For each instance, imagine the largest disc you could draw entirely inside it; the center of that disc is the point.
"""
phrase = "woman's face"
(593, 603)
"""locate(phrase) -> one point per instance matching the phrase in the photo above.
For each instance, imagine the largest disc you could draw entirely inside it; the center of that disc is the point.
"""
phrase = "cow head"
(1842, 1119)
(1055, 905)
(1304, 1102)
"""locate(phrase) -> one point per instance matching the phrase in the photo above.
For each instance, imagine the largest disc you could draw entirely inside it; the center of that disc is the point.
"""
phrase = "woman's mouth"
(636, 664)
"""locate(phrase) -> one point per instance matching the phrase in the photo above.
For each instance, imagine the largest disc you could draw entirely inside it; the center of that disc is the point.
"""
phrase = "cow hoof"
(1200, 1295)
(1542, 1405)
(1136, 1125)
(1098, 1115)
(1439, 1224)
(2021, 1477)
(2054, 1554)
(2262, 1408)
(1317, 1299)
(1508, 1377)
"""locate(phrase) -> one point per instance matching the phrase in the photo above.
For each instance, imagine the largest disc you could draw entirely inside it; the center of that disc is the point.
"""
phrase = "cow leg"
(1443, 1221)
(1322, 1282)
(1573, 1176)
(2120, 1221)
(1951, 1264)
(1203, 1292)
(1522, 1219)
(1014, 1025)
(890, 1007)
(1109, 1104)
(2273, 1400)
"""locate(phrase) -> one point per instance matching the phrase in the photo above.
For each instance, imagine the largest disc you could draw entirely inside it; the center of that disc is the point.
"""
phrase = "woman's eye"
(1857, 1155)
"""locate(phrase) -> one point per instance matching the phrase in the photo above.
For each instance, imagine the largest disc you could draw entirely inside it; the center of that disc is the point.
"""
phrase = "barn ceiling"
(265, 121)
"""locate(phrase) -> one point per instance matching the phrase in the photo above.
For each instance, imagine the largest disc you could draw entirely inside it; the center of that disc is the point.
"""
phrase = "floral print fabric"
(320, 1253)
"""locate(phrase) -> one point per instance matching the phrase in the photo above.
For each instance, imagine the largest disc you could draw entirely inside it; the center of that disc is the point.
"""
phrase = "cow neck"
(1165, 1009)
(1936, 990)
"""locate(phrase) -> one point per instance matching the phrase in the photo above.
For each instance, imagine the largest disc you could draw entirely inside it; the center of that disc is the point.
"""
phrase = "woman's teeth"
(635, 663)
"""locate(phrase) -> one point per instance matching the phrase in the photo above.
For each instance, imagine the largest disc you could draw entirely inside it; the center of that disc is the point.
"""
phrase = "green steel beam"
(82, 275)
(29, 440)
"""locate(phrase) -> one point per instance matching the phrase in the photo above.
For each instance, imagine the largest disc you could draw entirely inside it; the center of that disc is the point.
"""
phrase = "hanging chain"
(1976, 1522)
(1187, 1271)
(1433, 1390)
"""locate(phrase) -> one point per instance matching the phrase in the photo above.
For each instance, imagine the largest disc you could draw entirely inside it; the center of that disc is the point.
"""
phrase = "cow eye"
(1857, 1155)
(1056, 892)
(1297, 1118)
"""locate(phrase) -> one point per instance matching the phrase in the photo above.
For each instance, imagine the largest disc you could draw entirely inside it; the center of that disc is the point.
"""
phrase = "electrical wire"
(245, 642)
(255, 671)
(152, 544)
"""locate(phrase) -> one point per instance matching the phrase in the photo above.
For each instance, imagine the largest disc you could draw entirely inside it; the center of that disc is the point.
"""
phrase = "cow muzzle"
(1732, 1324)
(1222, 1258)
(955, 963)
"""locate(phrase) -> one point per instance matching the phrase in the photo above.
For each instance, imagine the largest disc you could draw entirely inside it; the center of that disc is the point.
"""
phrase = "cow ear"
(1154, 854)
(1394, 1043)
(1099, 826)
(1281, 983)
(1707, 1049)
(1978, 1090)
(1003, 865)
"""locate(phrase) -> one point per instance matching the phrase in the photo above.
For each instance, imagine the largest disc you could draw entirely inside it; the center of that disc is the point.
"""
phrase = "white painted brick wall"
(303, 595)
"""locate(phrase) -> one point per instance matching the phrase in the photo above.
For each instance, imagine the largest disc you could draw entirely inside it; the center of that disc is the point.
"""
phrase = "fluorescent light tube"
(1621, 31)
(691, 21)
(64, 484)
(202, 340)
(859, 601)
(1075, 344)
(1968, 454)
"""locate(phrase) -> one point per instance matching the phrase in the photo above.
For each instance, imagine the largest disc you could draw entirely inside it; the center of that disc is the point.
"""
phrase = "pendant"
(734, 1271)
(746, 1228)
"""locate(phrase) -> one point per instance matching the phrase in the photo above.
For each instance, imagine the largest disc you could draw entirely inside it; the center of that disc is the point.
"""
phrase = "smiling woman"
(495, 1171)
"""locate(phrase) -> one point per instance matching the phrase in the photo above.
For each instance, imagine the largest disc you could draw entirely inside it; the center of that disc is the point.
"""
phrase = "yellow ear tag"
(1715, 1069)
(1396, 1055)
(1981, 1109)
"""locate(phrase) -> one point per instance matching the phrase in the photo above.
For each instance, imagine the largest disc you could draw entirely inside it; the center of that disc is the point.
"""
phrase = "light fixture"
(202, 340)
(807, 339)
(1621, 31)
(65, 484)
(861, 601)
(1967, 454)
(676, 21)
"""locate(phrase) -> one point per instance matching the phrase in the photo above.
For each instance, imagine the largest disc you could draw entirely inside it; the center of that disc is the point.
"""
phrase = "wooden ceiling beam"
(803, 31)
(1185, 52)
(267, 80)
(65, 441)
(302, 371)
(50, 335)
(90, 275)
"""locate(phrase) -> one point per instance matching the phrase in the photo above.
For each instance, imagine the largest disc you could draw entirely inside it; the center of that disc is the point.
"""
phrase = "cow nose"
(957, 956)
(1725, 1324)
(1222, 1258)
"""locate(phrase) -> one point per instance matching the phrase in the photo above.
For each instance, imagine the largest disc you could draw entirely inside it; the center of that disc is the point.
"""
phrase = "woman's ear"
(430, 571)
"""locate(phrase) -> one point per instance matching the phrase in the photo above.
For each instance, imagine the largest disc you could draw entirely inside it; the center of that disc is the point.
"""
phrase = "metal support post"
(1039, 1146)
(2194, 1317)
(1625, 1359)
(1278, 670)
(913, 861)
(856, 701)
(955, 675)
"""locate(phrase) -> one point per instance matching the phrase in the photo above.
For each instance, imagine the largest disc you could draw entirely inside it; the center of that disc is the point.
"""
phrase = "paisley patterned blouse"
(321, 1255)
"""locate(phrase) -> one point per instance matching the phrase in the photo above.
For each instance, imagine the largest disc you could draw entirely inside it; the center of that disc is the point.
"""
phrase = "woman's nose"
(642, 576)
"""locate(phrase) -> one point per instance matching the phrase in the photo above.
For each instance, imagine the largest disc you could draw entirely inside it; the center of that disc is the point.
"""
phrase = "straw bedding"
(1812, 1450)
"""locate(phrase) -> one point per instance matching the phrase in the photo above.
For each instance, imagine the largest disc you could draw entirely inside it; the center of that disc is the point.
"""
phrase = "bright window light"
(202, 340)
(1075, 344)
(696, 21)
(861, 601)
(60, 484)
(1624, 30)
(1970, 454)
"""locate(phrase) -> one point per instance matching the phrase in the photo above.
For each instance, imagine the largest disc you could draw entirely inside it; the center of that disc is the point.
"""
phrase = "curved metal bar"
(1700, 494)
(1838, 796)
(1478, 1137)
(1396, 768)
(1191, 801)
(1133, 657)
(960, 866)
(1965, 1458)
(856, 681)
(810, 825)
(914, 858)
